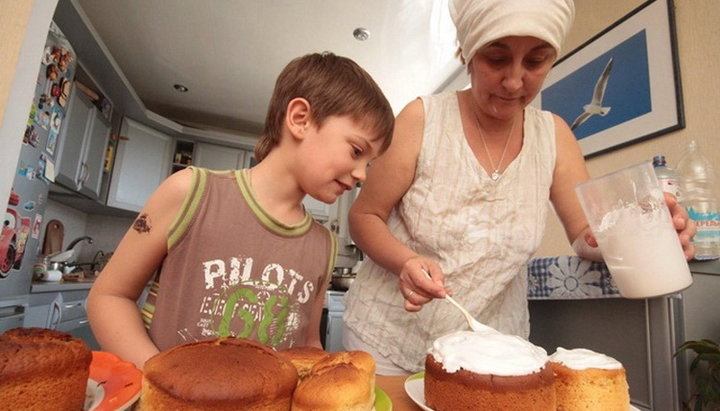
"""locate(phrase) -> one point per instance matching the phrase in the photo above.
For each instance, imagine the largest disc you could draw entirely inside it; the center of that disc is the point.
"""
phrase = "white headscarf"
(479, 22)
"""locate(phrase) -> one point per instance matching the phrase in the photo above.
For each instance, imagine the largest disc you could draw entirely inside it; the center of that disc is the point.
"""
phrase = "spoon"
(475, 325)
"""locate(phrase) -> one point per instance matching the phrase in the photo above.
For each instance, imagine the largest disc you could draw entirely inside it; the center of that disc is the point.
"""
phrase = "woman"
(462, 192)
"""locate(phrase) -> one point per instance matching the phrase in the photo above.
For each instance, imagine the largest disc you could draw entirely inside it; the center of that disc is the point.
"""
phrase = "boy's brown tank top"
(234, 270)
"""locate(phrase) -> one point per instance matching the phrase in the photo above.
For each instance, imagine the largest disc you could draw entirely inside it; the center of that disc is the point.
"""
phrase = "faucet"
(77, 240)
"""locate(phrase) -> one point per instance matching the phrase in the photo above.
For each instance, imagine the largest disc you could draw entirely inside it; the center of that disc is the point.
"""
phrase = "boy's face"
(335, 157)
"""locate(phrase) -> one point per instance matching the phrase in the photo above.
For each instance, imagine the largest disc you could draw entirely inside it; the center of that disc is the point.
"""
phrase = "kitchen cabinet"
(348, 253)
(81, 147)
(183, 155)
(339, 214)
(61, 308)
(334, 324)
(218, 157)
(12, 314)
(142, 162)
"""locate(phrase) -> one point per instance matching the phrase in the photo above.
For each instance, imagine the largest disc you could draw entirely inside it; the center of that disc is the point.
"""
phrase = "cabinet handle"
(72, 305)
(86, 173)
(82, 177)
(78, 180)
(55, 319)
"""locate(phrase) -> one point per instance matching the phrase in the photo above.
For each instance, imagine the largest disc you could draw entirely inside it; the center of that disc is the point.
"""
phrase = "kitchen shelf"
(182, 155)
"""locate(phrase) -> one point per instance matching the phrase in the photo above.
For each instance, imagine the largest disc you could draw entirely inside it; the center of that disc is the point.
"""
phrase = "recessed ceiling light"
(181, 88)
(361, 33)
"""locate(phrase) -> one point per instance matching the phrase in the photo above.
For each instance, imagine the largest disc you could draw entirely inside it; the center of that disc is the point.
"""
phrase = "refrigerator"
(20, 242)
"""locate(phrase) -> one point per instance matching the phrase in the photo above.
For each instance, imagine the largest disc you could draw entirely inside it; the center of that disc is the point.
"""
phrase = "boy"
(237, 253)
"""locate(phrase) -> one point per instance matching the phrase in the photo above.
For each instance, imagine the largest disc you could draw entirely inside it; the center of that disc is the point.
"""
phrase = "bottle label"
(707, 238)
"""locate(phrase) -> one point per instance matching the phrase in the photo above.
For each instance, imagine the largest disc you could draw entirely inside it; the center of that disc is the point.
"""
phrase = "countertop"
(394, 387)
(58, 286)
(711, 267)
(569, 277)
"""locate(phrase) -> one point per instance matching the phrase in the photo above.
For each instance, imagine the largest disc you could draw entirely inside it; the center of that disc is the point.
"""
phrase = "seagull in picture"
(595, 105)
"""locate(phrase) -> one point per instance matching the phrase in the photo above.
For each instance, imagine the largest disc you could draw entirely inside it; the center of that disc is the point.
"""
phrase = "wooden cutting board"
(54, 236)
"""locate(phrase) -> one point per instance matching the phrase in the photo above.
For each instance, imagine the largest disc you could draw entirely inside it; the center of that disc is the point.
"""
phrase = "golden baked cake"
(340, 381)
(43, 369)
(587, 380)
(488, 371)
(218, 374)
(304, 358)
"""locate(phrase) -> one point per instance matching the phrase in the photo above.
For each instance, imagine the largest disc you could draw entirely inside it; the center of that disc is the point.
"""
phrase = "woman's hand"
(416, 287)
(684, 226)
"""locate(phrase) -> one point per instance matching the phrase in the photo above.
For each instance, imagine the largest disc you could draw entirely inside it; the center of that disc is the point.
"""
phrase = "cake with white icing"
(468, 370)
(587, 380)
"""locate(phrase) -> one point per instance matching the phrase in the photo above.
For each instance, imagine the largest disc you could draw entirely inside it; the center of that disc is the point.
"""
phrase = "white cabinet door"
(217, 157)
(91, 168)
(45, 310)
(338, 220)
(142, 162)
(71, 140)
(333, 334)
(81, 147)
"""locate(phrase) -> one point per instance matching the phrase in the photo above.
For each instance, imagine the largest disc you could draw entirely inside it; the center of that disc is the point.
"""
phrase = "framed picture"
(621, 86)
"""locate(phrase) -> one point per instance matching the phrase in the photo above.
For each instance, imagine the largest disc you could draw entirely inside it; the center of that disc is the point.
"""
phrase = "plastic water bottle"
(701, 201)
(669, 180)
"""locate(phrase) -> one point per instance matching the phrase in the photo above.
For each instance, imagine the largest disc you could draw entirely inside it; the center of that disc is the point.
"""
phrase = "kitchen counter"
(569, 277)
(50, 286)
(394, 387)
(711, 267)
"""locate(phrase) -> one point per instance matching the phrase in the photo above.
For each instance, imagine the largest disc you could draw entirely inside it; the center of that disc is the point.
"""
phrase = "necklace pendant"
(495, 176)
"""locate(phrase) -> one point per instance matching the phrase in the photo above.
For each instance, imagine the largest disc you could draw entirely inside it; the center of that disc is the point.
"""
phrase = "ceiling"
(228, 53)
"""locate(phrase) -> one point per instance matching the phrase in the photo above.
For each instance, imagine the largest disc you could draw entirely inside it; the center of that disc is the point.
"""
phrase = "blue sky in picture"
(627, 92)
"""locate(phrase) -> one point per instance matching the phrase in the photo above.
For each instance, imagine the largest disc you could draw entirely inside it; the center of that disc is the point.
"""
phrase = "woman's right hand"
(416, 287)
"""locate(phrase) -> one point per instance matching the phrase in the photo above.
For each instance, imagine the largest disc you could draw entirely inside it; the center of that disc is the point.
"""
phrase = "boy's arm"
(112, 310)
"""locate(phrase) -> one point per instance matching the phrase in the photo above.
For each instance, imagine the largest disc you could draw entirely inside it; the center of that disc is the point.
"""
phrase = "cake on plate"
(304, 358)
(218, 374)
(469, 370)
(43, 369)
(335, 381)
(587, 380)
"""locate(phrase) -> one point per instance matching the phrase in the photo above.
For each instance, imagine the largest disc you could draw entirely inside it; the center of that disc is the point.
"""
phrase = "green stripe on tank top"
(147, 313)
(189, 206)
(243, 180)
(333, 254)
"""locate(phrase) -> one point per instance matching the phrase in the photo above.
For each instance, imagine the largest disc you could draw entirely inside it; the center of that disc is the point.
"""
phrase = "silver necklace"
(495, 176)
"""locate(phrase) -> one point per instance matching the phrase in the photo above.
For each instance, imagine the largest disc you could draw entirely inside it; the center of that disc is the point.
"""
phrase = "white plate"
(415, 389)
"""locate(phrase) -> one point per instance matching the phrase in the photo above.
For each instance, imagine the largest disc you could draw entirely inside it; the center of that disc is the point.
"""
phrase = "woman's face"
(507, 74)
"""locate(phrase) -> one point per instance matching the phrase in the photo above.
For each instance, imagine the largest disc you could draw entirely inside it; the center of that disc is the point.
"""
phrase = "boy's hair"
(334, 86)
